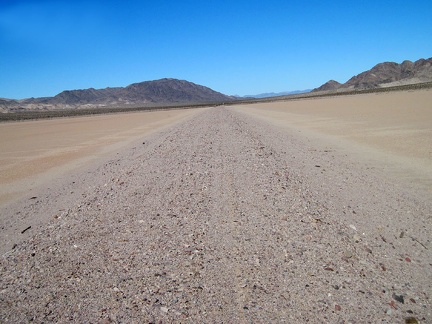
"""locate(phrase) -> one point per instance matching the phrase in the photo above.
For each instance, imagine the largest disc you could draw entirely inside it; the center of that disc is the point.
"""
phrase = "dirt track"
(222, 218)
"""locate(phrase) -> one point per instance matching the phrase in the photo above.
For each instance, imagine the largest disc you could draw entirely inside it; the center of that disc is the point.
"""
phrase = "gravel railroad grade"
(221, 219)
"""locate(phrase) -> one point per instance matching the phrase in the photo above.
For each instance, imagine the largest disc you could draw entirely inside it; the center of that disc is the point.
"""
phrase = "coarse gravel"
(220, 219)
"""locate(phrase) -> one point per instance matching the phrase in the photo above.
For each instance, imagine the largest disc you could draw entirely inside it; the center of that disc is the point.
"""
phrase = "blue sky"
(235, 47)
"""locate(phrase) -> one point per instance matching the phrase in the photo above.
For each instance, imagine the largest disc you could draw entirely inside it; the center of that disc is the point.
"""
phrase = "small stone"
(389, 311)
(398, 298)
(338, 308)
(353, 227)
(407, 259)
(348, 254)
(116, 289)
(411, 320)
(357, 238)
(164, 309)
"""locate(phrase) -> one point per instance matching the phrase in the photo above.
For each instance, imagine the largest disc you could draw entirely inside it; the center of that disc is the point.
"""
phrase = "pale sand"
(32, 153)
(392, 131)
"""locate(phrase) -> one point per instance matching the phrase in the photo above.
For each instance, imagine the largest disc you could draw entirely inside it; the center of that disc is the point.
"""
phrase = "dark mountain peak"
(81, 95)
(174, 90)
(423, 63)
(165, 91)
(407, 64)
(387, 74)
(328, 86)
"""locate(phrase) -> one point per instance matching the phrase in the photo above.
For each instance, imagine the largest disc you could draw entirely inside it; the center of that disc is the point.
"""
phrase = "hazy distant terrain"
(275, 94)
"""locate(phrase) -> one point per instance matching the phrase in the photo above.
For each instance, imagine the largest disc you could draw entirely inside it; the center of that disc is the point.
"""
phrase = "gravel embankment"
(222, 218)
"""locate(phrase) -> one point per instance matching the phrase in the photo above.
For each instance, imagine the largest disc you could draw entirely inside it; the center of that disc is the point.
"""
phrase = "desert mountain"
(329, 86)
(163, 91)
(385, 75)
(5, 104)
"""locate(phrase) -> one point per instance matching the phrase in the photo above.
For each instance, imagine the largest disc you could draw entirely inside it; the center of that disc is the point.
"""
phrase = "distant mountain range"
(385, 74)
(274, 94)
(174, 91)
(163, 91)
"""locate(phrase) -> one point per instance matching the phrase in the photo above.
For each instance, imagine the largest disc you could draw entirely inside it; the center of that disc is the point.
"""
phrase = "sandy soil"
(392, 131)
(225, 217)
(33, 152)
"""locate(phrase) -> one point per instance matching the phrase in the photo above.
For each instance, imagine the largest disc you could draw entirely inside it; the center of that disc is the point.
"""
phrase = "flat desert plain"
(33, 152)
(313, 210)
(390, 130)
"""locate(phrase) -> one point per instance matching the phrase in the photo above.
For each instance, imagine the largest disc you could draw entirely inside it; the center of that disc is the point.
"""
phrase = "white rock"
(164, 309)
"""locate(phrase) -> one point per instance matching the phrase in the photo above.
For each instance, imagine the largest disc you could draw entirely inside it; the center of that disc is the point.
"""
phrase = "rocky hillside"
(385, 75)
(328, 86)
(163, 91)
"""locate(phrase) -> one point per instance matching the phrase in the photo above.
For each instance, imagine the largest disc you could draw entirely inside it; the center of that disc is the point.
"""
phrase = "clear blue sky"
(235, 47)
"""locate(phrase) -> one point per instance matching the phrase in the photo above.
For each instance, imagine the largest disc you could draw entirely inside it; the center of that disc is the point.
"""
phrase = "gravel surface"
(222, 218)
